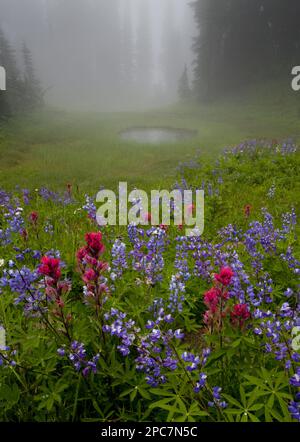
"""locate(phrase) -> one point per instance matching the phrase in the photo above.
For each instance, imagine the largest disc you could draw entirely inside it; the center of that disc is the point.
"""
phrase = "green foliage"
(44, 387)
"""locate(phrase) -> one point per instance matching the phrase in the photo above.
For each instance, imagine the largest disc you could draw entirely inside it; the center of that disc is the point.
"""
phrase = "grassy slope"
(54, 148)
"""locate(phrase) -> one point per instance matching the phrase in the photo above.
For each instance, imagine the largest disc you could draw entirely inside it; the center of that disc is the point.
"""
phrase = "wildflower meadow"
(143, 323)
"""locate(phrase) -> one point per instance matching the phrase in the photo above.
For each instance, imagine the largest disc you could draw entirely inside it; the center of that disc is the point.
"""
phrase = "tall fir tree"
(184, 90)
(23, 92)
(32, 95)
(11, 100)
(211, 18)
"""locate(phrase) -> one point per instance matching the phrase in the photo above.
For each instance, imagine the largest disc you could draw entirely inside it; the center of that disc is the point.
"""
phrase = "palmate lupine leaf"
(245, 410)
(269, 387)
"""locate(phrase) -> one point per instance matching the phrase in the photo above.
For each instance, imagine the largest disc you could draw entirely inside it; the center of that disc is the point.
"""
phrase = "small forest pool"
(156, 135)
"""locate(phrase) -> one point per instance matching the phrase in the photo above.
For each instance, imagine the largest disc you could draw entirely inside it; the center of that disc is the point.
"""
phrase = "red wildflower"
(50, 267)
(247, 210)
(89, 276)
(96, 247)
(102, 266)
(148, 217)
(240, 314)
(64, 287)
(33, 218)
(60, 303)
(211, 298)
(208, 317)
(24, 234)
(225, 276)
(225, 295)
(81, 254)
(163, 227)
(92, 268)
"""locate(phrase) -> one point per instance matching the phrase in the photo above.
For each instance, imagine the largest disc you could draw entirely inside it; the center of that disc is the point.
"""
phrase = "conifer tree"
(184, 90)
(10, 100)
(32, 93)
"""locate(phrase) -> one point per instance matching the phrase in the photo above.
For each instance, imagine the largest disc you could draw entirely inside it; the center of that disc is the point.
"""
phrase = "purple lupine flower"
(48, 228)
(217, 398)
(201, 383)
(292, 262)
(181, 259)
(123, 329)
(61, 351)
(294, 409)
(49, 195)
(289, 221)
(295, 379)
(217, 393)
(230, 234)
(7, 355)
(78, 356)
(154, 352)
(119, 262)
(23, 283)
(26, 196)
(147, 254)
(177, 294)
(90, 207)
(178, 334)
(13, 223)
(288, 293)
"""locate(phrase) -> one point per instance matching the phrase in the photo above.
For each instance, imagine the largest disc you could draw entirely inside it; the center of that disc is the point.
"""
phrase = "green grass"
(53, 148)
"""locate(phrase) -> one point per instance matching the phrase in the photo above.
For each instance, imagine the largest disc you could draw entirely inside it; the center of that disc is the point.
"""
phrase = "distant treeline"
(241, 43)
(23, 91)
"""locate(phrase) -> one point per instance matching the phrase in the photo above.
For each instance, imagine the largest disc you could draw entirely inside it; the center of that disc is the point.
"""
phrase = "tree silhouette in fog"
(243, 42)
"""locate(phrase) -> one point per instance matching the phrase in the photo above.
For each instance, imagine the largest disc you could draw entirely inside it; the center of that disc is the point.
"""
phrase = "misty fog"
(104, 54)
